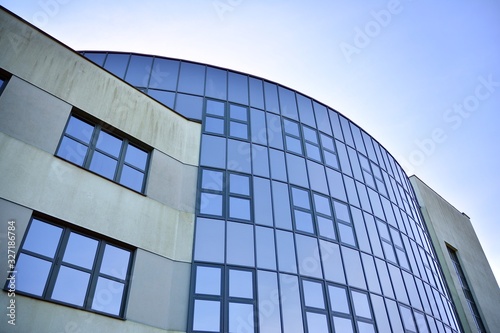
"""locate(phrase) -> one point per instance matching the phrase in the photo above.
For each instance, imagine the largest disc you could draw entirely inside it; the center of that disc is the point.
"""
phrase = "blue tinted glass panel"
(322, 205)
(238, 130)
(365, 327)
(331, 160)
(371, 273)
(240, 244)
(238, 156)
(338, 299)
(71, 286)
(80, 250)
(354, 270)
(369, 147)
(334, 121)
(360, 146)
(398, 284)
(291, 127)
(109, 144)
(165, 97)
(286, 251)
(312, 152)
(239, 208)
(215, 108)
(359, 226)
(274, 134)
(317, 322)
(380, 313)
(115, 262)
(136, 157)
(305, 110)
(267, 295)
(346, 234)
(79, 129)
(336, 184)
(116, 64)
(240, 284)
(103, 165)
(373, 235)
(332, 262)
(139, 70)
(327, 142)
(343, 325)
(303, 221)
(260, 160)
(288, 103)
(212, 180)
(237, 88)
(206, 316)
(191, 78)
(132, 178)
(256, 93)
(271, 97)
(208, 280)
(385, 281)
(108, 296)
(343, 158)
(262, 201)
(72, 151)
(313, 294)
(325, 227)
(164, 74)
(216, 86)
(266, 254)
(293, 144)
(259, 132)
(361, 305)
(310, 134)
(341, 211)
(407, 316)
(376, 205)
(394, 317)
(317, 177)
(238, 112)
(211, 204)
(346, 131)
(300, 198)
(322, 118)
(42, 238)
(291, 309)
(209, 240)
(240, 313)
(32, 274)
(308, 256)
(97, 58)
(277, 161)
(213, 151)
(281, 204)
(356, 169)
(297, 171)
(239, 184)
(363, 197)
(189, 106)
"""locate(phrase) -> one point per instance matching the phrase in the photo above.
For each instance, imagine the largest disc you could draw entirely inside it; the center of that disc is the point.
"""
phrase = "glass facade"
(304, 222)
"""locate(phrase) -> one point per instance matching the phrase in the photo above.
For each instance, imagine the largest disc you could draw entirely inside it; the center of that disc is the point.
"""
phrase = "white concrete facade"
(449, 227)
(47, 82)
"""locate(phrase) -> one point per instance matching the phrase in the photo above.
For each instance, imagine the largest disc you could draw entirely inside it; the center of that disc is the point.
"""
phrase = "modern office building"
(146, 194)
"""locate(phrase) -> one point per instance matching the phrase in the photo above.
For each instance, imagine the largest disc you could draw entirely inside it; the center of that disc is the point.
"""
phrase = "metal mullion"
(91, 147)
(94, 276)
(121, 160)
(56, 265)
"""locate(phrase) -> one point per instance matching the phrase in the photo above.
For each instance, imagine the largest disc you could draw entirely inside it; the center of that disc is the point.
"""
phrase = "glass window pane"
(263, 211)
(332, 262)
(334, 121)
(256, 93)
(308, 256)
(42, 238)
(189, 106)
(241, 317)
(164, 74)
(317, 323)
(352, 194)
(336, 184)
(71, 286)
(211, 204)
(274, 133)
(240, 244)
(380, 313)
(211, 180)
(165, 97)
(216, 84)
(322, 118)
(214, 125)
(80, 250)
(213, 151)
(303, 221)
(365, 327)
(293, 144)
(72, 151)
(361, 305)
(240, 284)
(288, 103)
(338, 299)
(269, 306)
(271, 97)
(206, 316)
(322, 205)
(343, 325)
(238, 130)
(191, 78)
(108, 296)
(239, 184)
(97, 58)
(277, 161)
(354, 270)
(239, 208)
(291, 309)
(136, 157)
(132, 178)
(310, 134)
(238, 156)
(209, 240)
(286, 251)
(79, 129)
(313, 294)
(281, 205)
(305, 110)
(407, 317)
(266, 255)
(317, 177)
(208, 280)
(359, 226)
(139, 70)
(331, 160)
(313, 152)
(341, 211)
(109, 144)
(300, 198)
(103, 165)
(297, 171)
(371, 273)
(237, 88)
(291, 127)
(346, 234)
(397, 282)
(394, 317)
(32, 274)
(258, 120)
(325, 227)
(115, 262)
(215, 108)
(116, 63)
(385, 281)
(260, 160)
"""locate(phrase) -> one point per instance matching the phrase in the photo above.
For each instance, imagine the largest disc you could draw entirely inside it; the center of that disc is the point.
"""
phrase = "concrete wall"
(447, 225)
(48, 81)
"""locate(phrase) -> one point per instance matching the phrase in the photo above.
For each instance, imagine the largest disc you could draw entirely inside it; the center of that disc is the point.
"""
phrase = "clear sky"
(421, 77)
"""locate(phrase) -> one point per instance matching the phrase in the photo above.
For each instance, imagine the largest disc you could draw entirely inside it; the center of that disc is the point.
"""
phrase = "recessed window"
(66, 266)
(98, 149)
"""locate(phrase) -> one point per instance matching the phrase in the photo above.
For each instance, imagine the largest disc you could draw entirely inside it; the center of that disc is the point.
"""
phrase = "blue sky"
(422, 77)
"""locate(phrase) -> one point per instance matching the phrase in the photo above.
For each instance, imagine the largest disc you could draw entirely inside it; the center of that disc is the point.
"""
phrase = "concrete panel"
(33, 315)
(60, 189)
(172, 182)
(32, 115)
(159, 292)
(53, 67)
(447, 225)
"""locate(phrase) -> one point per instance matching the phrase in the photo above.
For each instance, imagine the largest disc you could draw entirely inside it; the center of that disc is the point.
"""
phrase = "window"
(4, 77)
(62, 265)
(96, 148)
